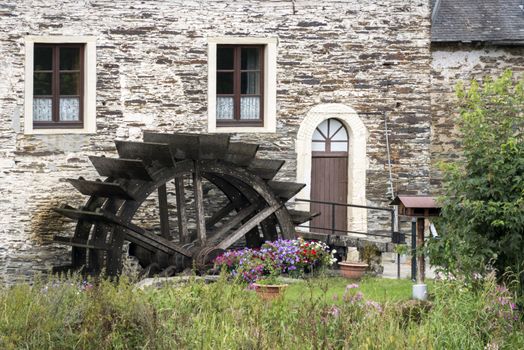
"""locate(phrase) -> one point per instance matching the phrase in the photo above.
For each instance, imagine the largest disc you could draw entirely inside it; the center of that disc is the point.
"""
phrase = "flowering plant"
(282, 256)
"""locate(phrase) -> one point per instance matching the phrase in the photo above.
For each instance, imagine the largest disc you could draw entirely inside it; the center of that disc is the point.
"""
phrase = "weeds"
(64, 314)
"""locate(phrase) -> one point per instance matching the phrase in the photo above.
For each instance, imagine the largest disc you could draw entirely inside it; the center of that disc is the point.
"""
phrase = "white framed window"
(60, 85)
(242, 77)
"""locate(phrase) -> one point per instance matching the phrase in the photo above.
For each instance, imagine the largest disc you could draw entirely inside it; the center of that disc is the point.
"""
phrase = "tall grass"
(64, 314)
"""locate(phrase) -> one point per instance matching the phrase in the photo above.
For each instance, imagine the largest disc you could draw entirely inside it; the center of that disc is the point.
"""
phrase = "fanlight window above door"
(330, 136)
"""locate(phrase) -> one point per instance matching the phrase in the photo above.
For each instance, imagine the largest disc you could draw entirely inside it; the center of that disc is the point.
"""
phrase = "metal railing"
(333, 228)
(396, 237)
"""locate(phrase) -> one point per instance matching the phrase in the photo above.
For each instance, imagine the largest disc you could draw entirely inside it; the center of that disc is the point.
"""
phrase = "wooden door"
(329, 176)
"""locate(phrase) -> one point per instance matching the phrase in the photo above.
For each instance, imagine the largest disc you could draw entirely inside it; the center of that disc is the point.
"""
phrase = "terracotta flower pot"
(269, 291)
(353, 270)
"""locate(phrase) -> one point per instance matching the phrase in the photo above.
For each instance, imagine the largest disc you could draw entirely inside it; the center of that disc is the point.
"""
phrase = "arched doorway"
(329, 174)
(357, 160)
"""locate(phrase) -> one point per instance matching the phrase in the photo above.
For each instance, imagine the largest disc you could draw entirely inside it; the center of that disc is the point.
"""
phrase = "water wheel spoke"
(242, 214)
(139, 235)
(222, 213)
(247, 226)
(183, 235)
(199, 206)
(164, 212)
(77, 242)
(269, 228)
(154, 243)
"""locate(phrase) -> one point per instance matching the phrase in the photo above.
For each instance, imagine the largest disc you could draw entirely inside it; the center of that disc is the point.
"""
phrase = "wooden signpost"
(419, 208)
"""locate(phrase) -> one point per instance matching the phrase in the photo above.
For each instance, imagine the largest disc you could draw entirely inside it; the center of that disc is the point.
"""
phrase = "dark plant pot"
(352, 270)
(269, 291)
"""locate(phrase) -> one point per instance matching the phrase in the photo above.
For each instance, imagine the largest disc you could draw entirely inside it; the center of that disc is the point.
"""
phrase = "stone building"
(76, 75)
(469, 40)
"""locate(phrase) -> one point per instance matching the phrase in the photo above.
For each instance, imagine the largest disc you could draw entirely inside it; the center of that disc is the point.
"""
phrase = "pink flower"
(334, 311)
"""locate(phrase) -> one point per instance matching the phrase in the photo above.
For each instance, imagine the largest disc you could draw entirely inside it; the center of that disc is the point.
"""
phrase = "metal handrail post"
(414, 250)
(392, 233)
(332, 219)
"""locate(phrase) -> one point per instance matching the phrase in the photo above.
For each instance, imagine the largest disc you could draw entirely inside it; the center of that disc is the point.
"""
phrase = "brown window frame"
(55, 90)
(237, 74)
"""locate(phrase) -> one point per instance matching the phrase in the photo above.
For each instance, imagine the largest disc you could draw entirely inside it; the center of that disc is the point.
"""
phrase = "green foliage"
(369, 253)
(318, 313)
(482, 220)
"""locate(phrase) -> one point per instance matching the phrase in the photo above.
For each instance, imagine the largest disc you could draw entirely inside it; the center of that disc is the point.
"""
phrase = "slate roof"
(493, 21)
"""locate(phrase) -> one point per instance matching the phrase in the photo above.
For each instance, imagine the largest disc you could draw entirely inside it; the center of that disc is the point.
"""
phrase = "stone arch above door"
(357, 164)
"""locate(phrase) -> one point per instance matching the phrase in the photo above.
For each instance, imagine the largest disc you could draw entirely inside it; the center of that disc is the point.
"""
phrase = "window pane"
(69, 108)
(42, 84)
(69, 58)
(250, 83)
(334, 125)
(43, 58)
(250, 108)
(225, 83)
(249, 57)
(341, 135)
(323, 127)
(318, 136)
(42, 107)
(339, 146)
(318, 147)
(225, 57)
(69, 83)
(224, 107)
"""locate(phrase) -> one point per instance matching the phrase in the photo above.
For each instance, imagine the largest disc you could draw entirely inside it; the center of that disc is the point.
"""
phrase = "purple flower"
(334, 311)
(374, 305)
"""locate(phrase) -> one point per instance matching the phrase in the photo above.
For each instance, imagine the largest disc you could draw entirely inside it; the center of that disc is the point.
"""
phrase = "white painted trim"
(89, 83)
(270, 83)
(357, 161)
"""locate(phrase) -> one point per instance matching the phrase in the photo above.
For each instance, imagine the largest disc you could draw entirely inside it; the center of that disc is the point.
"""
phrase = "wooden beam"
(147, 152)
(121, 168)
(246, 227)
(240, 153)
(183, 235)
(222, 213)
(269, 229)
(285, 190)
(265, 168)
(222, 231)
(253, 239)
(421, 265)
(164, 212)
(76, 242)
(101, 189)
(135, 233)
(199, 205)
(299, 217)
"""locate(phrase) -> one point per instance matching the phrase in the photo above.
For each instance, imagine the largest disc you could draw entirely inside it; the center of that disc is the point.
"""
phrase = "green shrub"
(482, 221)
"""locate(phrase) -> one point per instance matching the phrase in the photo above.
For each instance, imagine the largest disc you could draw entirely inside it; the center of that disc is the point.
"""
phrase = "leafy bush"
(278, 257)
(482, 220)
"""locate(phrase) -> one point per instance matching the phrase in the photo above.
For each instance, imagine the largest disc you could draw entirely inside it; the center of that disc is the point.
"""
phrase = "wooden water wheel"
(255, 209)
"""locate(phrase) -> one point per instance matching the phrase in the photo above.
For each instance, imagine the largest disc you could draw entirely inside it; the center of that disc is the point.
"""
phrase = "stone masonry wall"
(152, 75)
(452, 63)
